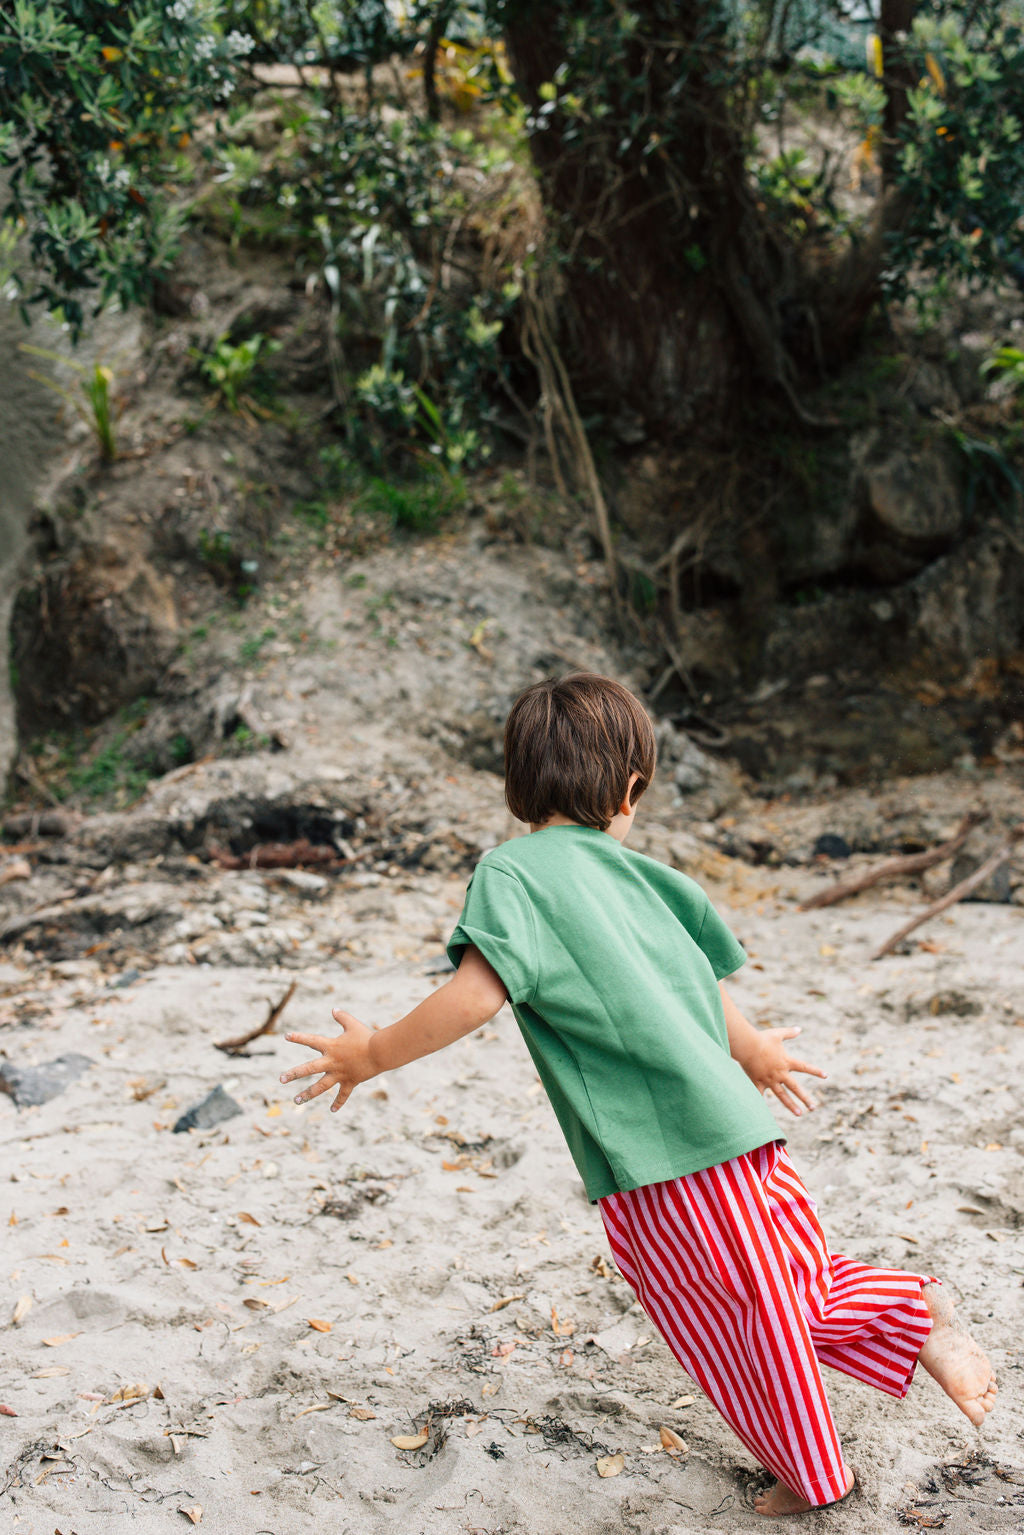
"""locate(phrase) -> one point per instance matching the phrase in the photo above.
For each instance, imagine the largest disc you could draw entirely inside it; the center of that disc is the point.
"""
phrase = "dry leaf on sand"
(193, 1511)
(506, 1300)
(134, 1393)
(317, 1325)
(610, 1465)
(410, 1441)
(671, 1441)
(364, 1414)
(21, 1309)
(63, 1337)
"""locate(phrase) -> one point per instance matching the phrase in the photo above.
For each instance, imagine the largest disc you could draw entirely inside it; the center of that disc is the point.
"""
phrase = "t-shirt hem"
(681, 1168)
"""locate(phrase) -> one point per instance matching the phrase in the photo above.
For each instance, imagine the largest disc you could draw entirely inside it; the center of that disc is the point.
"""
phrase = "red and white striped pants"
(732, 1267)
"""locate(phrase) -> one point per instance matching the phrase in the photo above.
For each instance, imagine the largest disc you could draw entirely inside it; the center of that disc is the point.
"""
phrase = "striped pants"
(732, 1267)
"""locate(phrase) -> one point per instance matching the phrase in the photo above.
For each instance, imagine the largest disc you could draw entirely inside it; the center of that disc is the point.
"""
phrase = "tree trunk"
(672, 287)
(898, 76)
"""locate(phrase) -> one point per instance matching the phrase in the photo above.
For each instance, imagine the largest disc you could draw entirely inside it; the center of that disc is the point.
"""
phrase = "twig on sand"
(980, 875)
(896, 868)
(237, 1046)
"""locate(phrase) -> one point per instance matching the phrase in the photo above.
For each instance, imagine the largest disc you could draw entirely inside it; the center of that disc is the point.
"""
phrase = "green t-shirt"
(611, 962)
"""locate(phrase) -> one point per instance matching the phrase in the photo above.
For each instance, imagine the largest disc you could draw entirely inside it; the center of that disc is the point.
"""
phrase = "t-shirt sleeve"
(718, 944)
(498, 920)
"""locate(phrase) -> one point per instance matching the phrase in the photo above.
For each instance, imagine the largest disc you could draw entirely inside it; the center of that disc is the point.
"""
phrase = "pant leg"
(726, 1290)
(871, 1323)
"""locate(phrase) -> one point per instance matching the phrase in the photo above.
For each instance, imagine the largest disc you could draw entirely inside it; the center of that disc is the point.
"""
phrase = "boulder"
(914, 497)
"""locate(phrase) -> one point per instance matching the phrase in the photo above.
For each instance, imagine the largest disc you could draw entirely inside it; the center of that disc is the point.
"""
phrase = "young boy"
(612, 963)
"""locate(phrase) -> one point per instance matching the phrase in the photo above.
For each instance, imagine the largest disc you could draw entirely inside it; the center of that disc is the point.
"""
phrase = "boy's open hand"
(345, 1060)
(769, 1064)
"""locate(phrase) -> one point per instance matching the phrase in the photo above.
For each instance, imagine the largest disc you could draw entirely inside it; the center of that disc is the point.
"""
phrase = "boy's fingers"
(344, 1094)
(812, 1071)
(314, 1041)
(786, 1098)
(799, 1092)
(323, 1086)
(307, 1069)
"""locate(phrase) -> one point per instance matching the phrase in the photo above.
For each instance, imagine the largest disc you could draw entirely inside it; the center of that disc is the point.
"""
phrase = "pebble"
(210, 1111)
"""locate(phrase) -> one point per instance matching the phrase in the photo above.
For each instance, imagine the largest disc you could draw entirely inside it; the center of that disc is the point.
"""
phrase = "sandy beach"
(240, 1321)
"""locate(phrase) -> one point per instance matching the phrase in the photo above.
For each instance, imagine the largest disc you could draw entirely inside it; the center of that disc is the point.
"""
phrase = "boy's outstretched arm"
(470, 998)
(765, 1059)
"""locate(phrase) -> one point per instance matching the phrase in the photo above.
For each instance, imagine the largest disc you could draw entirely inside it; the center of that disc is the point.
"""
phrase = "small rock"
(829, 845)
(213, 1109)
(124, 979)
(29, 1085)
(996, 888)
(298, 879)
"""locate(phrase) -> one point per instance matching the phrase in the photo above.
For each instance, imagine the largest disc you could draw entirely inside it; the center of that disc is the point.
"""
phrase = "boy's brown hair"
(571, 744)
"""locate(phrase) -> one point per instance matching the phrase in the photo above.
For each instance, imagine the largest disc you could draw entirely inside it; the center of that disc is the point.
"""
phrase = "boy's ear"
(628, 804)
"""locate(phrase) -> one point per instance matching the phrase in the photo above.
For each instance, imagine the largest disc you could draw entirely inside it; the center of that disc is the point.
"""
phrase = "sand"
(240, 1321)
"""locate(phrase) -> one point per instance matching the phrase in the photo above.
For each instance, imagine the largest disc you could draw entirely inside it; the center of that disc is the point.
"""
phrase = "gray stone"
(126, 978)
(996, 888)
(915, 498)
(212, 1110)
(29, 1085)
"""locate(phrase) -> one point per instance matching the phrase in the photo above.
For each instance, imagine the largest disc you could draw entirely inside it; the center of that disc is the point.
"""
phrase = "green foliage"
(97, 97)
(419, 504)
(215, 549)
(181, 750)
(73, 765)
(249, 650)
(233, 368)
(347, 32)
(1008, 361)
(962, 161)
(244, 740)
(798, 195)
(382, 195)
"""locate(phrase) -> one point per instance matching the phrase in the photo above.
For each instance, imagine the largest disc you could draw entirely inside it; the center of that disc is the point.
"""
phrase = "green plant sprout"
(230, 368)
(97, 383)
(1009, 361)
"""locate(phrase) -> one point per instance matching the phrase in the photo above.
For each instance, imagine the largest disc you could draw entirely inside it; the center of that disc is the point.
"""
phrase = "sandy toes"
(780, 1499)
(952, 1357)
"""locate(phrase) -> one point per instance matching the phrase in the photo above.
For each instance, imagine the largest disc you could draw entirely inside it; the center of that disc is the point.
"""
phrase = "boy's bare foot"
(780, 1499)
(951, 1356)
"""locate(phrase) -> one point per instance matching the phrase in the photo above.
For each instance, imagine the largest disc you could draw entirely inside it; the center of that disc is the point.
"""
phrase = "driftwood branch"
(237, 1045)
(980, 875)
(42, 823)
(897, 868)
(276, 855)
